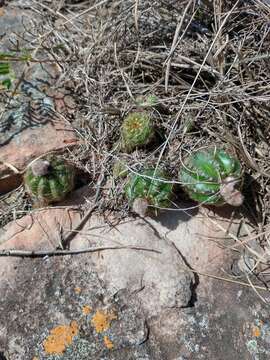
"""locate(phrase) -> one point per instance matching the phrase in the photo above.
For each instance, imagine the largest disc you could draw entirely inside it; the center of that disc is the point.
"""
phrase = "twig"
(37, 254)
(166, 142)
(249, 159)
(67, 240)
(136, 15)
(256, 291)
(174, 45)
(187, 268)
(228, 280)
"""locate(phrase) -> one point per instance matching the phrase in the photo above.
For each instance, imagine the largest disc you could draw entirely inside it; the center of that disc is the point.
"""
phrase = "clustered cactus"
(136, 131)
(49, 179)
(212, 176)
(148, 188)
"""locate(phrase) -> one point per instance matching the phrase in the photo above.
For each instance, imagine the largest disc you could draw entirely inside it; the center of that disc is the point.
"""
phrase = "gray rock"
(160, 279)
(126, 303)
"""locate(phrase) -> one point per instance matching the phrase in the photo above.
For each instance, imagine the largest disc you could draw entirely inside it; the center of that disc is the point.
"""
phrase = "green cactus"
(49, 179)
(136, 131)
(212, 176)
(147, 187)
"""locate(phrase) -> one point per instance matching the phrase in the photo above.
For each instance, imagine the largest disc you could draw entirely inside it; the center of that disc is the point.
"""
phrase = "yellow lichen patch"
(60, 337)
(108, 342)
(78, 290)
(86, 309)
(256, 331)
(35, 358)
(102, 320)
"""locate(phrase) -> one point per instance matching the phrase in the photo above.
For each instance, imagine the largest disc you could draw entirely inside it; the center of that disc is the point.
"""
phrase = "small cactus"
(148, 189)
(136, 131)
(212, 176)
(49, 179)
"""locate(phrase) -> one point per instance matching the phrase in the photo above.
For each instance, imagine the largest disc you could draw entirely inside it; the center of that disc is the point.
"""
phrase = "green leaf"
(4, 68)
(7, 83)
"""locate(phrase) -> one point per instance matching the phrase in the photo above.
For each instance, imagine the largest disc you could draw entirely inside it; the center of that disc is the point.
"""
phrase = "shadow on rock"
(182, 212)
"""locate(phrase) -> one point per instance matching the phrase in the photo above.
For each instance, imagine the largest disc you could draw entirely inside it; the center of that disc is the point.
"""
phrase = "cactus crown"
(150, 187)
(204, 174)
(136, 131)
(49, 179)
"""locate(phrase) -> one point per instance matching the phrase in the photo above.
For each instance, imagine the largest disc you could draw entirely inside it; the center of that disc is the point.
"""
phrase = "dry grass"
(208, 64)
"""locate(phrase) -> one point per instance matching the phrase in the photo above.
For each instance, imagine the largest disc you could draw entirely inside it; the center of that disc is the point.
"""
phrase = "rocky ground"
(133, 302)
(170, 287)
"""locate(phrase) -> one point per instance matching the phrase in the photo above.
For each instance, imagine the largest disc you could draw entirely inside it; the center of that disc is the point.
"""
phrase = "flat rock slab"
(144, 263)
(62, 310)
(149, 265)
(33, 142)
(126, 303)
(76, 315)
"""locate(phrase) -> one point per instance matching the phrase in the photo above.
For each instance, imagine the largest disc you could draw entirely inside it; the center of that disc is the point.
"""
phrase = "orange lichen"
(256, 331)
(60, 337)
(102, 320)
(78, 290)
(86, 309)
(108, 342)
